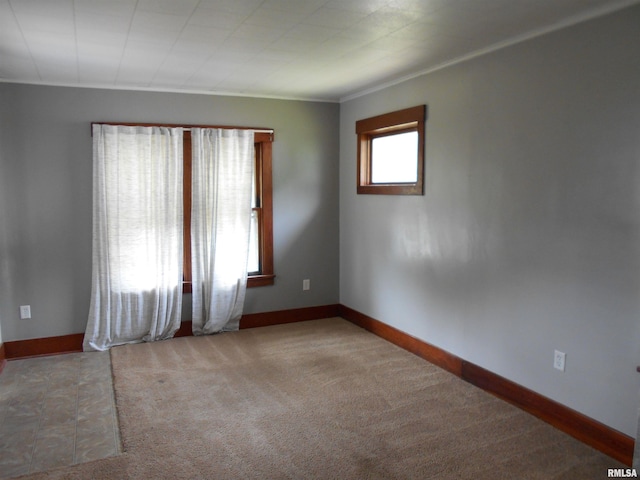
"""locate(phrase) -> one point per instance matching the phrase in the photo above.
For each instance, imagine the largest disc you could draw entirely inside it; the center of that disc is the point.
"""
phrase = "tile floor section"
(56, 411)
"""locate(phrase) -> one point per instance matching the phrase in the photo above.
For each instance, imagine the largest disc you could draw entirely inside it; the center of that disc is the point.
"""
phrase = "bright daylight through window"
(394, 158)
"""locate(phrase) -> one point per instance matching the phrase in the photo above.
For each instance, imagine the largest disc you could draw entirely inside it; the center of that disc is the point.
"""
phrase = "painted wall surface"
(5, 199)
(46, 165)
(528, 236)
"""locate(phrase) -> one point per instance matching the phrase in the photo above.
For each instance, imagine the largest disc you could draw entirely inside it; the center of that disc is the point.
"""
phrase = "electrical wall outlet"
(25, 311)
(306, 284)
(558, 360)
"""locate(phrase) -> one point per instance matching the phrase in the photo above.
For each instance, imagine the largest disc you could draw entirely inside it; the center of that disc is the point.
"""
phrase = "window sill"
(391, 189)
(260, 280)
(252, 281)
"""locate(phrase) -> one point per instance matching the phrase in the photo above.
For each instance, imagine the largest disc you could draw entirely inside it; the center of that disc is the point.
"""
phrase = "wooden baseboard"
(3, 357)
(253, 320)
(265, 319)
(37, 347)
(585, 429)
(433, 354)
(73, 343)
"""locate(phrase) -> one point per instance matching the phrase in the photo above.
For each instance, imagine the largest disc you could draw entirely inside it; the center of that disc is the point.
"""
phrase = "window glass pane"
(394, 158)
(254, 252)
(254, 190)
(254, 198)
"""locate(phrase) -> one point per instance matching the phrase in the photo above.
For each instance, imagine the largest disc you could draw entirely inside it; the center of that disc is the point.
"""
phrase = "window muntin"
(391, 153)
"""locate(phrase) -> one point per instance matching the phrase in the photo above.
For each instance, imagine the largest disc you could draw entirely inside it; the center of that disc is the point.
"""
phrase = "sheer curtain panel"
(137, 235)
(222, 180)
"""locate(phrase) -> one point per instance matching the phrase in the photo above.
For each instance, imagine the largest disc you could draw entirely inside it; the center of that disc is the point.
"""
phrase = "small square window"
(391, 153)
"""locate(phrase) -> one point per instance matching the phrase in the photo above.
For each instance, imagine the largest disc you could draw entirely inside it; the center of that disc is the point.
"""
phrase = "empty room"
(319, 239)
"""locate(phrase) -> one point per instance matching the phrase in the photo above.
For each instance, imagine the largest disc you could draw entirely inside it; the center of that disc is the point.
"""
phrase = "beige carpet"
(318, 400)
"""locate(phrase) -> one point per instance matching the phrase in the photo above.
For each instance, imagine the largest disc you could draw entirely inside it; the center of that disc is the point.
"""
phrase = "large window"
(391, 153)
(260, 268)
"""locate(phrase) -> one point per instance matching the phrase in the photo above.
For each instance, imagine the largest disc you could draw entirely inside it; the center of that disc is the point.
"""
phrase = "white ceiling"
(308, 49)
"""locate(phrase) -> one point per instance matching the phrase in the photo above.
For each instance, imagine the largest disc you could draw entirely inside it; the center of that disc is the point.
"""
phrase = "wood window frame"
(263, 140)
(400, 121)
(264, 206)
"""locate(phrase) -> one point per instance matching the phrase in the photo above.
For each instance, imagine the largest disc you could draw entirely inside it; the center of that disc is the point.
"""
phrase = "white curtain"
(137, 235)
(222, 180)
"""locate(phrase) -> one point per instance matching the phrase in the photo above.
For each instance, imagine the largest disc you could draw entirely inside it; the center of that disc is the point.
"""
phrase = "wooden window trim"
(400, 121)
(263, 137)
(264, 176)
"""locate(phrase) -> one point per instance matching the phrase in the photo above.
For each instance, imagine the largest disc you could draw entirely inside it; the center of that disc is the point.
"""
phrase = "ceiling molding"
(569, 22)
(128, 88)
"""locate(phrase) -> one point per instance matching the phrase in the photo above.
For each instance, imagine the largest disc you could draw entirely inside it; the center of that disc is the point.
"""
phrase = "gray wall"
(527, 239)
(5, 198)
(45, 217)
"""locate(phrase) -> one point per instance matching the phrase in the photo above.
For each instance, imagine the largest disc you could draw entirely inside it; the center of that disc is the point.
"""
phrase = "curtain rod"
(185, 127)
